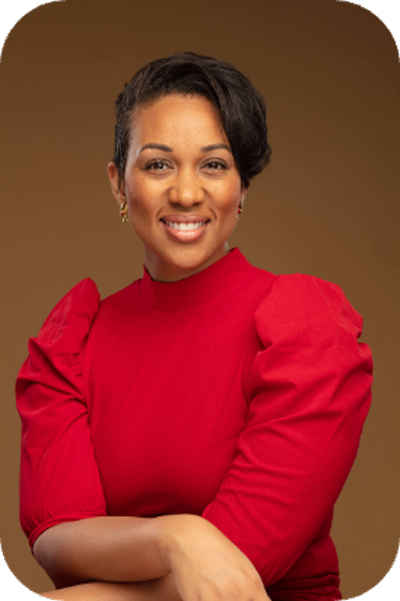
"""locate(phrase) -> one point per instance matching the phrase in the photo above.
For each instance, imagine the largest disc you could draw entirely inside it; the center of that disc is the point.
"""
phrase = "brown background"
(326, 205)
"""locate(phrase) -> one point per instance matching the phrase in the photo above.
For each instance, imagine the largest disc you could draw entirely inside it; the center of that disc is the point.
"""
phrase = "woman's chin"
(181, 265)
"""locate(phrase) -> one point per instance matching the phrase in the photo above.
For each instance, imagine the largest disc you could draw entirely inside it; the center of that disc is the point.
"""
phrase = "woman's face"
(181, 186)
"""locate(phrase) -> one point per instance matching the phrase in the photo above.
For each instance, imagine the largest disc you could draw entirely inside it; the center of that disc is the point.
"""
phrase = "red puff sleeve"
(309, 393)
(59, 479)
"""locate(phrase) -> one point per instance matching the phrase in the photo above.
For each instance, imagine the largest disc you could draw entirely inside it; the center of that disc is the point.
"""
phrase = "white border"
(388, 589)
(388, 11)
(11, 11)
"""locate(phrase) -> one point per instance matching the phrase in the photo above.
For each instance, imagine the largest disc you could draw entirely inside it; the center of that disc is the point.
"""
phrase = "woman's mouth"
(184, 227)
(185, 230)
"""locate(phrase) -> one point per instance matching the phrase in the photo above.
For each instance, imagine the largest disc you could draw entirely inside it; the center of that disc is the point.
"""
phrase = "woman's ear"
(117, 186)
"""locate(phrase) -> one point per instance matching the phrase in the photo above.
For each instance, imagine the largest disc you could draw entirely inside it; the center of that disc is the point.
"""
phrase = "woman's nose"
(186, 190)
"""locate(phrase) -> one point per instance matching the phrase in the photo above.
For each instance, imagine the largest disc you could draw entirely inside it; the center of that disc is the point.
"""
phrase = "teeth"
(185, 227)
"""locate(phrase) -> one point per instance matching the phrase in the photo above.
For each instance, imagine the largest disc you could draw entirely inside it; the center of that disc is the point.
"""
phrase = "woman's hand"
(205, 564)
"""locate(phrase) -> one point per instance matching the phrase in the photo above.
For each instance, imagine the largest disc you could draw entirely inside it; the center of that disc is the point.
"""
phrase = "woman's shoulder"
(80, 306)
(303, 288)
(73, 314)
(301, 302)
(55, 352)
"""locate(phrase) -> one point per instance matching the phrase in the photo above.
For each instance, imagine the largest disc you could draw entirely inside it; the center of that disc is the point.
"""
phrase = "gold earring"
(123, 211)
(240, 207)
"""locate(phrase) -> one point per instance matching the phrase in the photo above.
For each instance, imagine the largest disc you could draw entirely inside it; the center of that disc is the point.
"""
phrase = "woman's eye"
(156, 166)
(216, 165)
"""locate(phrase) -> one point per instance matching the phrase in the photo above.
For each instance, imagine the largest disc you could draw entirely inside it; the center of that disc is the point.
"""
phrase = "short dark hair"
(241, 107)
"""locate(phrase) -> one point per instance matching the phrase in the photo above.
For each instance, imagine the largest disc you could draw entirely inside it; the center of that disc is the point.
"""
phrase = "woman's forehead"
(176, 119)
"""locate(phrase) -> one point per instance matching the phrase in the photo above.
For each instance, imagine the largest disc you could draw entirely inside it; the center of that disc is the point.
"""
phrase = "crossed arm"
(158, 589)
(168, 558)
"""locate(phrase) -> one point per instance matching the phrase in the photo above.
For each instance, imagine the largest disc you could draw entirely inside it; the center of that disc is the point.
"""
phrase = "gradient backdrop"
(327, 205)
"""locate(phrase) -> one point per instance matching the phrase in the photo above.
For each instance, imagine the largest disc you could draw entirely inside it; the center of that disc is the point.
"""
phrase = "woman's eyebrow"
(157, 147)
(211, 147)
(166, 148)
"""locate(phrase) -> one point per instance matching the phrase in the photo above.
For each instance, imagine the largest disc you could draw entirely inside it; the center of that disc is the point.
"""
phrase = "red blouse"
(233, 394)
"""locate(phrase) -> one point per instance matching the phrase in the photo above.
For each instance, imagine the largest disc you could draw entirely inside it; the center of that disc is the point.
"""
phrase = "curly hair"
(240, 106)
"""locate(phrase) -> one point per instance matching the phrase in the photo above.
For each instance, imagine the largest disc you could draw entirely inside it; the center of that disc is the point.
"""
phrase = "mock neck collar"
(197, 289)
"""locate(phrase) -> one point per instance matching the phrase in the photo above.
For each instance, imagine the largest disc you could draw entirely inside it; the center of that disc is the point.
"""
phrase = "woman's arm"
(308, 390)
(113, 549)
(203, 563)
(162, 589)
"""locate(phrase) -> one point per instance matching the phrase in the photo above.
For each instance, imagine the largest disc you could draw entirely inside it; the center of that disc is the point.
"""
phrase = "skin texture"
(180, 168)
(182, 178)
(184, 556)
(162, 589)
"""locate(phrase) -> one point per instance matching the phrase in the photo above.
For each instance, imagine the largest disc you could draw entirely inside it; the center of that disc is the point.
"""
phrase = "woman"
(187, 437)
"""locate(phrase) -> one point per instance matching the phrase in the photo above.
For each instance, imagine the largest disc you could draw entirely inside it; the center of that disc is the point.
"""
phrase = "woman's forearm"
(201, 562)
(111, 549)
(162, 589)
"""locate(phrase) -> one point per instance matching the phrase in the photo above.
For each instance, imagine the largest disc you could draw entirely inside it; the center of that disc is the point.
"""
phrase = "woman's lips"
(185, 228)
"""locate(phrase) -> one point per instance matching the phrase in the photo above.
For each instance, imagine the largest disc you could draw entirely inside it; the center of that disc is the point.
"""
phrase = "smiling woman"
(181, 185)
(187, 437)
